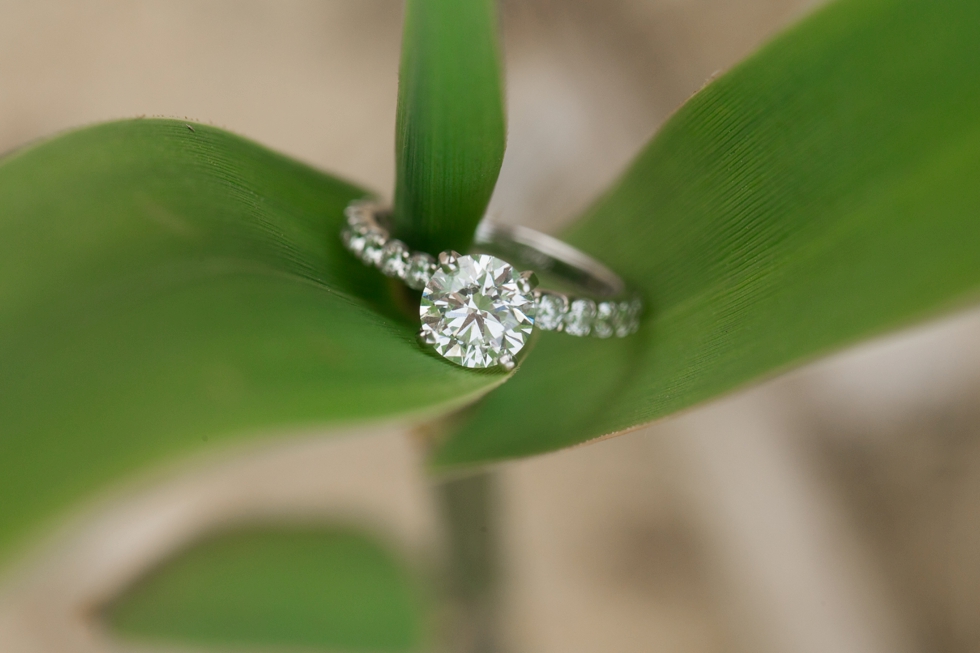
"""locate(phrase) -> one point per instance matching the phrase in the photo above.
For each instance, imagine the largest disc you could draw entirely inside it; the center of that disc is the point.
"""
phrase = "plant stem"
(470, 512)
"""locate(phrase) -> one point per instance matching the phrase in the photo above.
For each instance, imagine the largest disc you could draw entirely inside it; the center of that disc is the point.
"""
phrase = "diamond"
(629, 321)
(618, 321)
(551, 309)
(374, 242)
(606, 312)
(358, 214)
(578, 320)
(420, 267)
(353, 240)
(474, 312)
(394, 259)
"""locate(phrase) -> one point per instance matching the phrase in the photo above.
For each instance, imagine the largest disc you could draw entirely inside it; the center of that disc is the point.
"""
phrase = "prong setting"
(426, 337)
(449, 261)
(529, 281)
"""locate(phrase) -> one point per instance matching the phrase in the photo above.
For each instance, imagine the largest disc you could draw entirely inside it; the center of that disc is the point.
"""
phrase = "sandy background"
(835, 509)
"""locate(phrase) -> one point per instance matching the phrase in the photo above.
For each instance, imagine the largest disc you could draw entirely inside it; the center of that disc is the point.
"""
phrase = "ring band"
(478, 310)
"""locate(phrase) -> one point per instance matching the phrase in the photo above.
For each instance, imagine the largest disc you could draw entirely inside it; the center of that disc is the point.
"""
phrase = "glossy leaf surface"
(822, 192)
(164, 286)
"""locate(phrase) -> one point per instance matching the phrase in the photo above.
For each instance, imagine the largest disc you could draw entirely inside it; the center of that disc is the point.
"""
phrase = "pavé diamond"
(629, 320)
(551, 309)
(357, 215)
(374, 242)
(420, 268)
(618, 321)
(394, 259)
(578, 320)
(353, 240)
(603, 326)
(476, 311)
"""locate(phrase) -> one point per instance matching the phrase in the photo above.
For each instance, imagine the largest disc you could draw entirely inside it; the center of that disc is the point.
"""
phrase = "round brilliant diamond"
(578, 320)
(477, 311)
(374, 242)
(394, 259)
(420, 267)
(551, 309)
(603, 326)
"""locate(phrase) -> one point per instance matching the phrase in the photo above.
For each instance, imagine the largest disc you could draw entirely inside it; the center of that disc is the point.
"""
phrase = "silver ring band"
(540, 252)
(589, 298)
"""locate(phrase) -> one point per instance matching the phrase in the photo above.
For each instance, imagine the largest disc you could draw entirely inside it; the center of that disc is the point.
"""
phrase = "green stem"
(471, 513)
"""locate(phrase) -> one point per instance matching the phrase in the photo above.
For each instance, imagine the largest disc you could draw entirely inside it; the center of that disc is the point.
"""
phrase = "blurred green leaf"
(306, 589)
(824, 191)
(162, 284)
(450, 130)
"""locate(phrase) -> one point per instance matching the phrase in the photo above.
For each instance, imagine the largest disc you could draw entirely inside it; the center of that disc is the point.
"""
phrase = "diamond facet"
(551, 309)
(578, 320)
(475, 313)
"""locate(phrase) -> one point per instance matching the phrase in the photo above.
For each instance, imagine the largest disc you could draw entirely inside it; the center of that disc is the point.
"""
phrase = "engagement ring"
(478, 310)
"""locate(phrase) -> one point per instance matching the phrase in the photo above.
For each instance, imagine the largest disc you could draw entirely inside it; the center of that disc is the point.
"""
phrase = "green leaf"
(824, 191)
(450, 128)
(165, 286)
(304, 589)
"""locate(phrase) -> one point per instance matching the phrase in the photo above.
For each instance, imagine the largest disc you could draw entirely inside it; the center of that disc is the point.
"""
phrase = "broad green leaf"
(274, 590)
(824, 191)
(164, 286)
(450, 132)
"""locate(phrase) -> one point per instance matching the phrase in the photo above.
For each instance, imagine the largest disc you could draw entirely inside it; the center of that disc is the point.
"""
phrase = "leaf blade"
(818, 194)
(309, 588)
(162, 290)
(450, 132)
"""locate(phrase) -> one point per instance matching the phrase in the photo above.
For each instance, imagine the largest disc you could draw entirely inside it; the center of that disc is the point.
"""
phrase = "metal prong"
(507, 363)
(530, 281)
(425, 337)
(449, 261)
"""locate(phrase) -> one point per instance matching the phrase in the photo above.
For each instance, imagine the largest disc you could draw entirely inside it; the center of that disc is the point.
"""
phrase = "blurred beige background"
(834, 509)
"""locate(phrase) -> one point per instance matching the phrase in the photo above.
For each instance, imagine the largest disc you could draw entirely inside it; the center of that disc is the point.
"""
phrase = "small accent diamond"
(394, 259)
(358, 215)
(551, 309)
(578, 320)
(617, 322)
(629, 318)
(420, 269)
(374, 243)
(353, 240)
(636, 310)
(603, 325)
